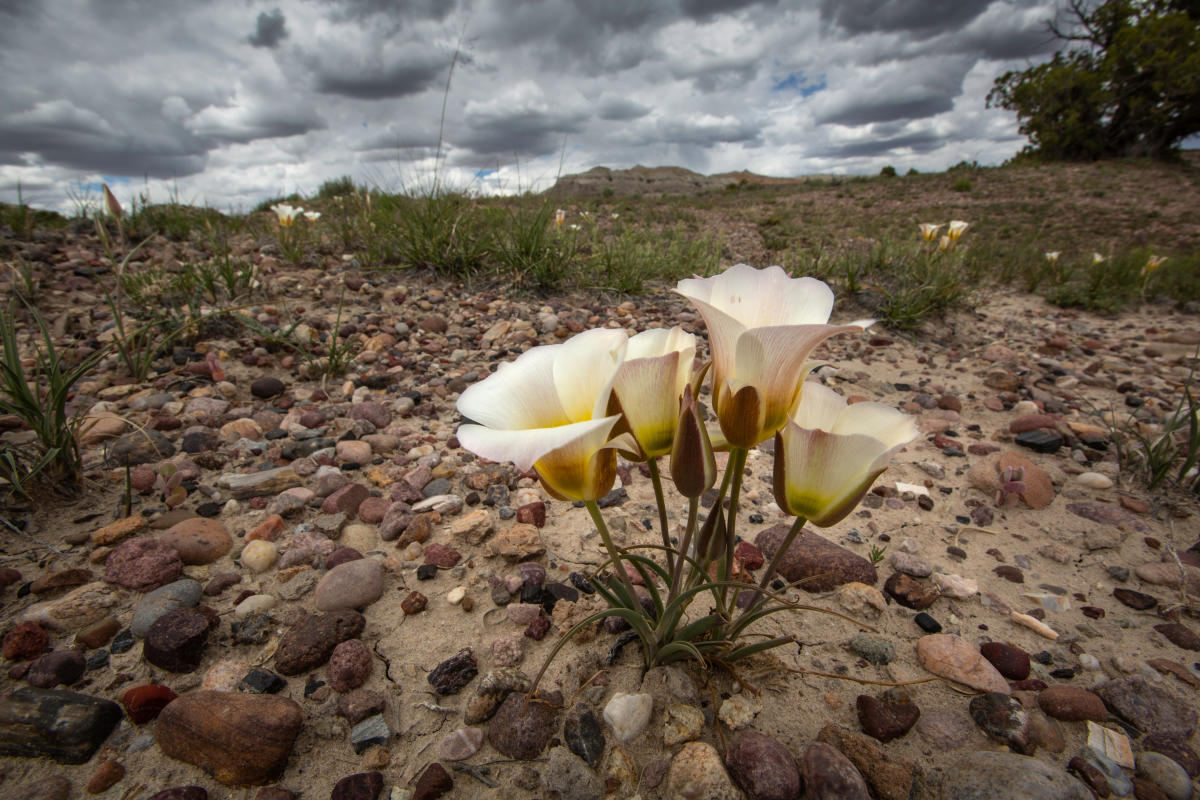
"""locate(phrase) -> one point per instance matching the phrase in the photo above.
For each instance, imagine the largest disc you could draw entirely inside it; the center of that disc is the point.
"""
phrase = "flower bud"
(693, 466)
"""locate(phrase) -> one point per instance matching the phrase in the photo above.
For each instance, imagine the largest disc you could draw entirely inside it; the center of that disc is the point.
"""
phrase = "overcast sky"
(228, 102)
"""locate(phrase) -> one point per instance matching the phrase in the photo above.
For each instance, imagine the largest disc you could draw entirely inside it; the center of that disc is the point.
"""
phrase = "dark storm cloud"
(58, 132)
(708, 131)
(883, 109)
(706, 9)
(394, 9)
(621, 109)
(916, 17)
(269, 30)
(376, 82)
(393, 140)
(922, 142)
(524, 132)
(250, 123)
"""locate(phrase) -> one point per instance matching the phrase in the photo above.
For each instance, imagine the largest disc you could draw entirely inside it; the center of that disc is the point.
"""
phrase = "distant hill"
(650, 181)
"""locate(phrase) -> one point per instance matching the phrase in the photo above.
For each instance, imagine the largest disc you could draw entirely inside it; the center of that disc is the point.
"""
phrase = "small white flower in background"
(956, 229)
(312, 216)
(945, 244)
(929, 231)
(1098, 259)
(1052, 256)
(614, 215)
(573, 227)
(1153, 263)
(560, 216)
(286, 214)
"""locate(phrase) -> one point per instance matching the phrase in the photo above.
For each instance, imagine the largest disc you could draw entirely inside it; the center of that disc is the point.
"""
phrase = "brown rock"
(237, 738)
(1179, 635)
(349, 665)
(142, 564)
(27, 640)
(434, 782)
(309, 643)
(955, 658)
(518, 543)
(819, 563)
(889, 777)
(910, 592)
(106, 776)
(1072, 703)
(829, 775)
(1010, 661)
(359, 704)
(175, 641)
(60, 579)
(98, 635)
(199, 540)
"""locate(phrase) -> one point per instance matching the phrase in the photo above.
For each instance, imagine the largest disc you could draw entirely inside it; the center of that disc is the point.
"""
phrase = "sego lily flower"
(649, 384)
(829, 453)
(693, 465)
(1052, 256)
(548, 410)
(762, 325)
(312, 216)
(286, 214)
(929, 231)
(957, 228)
(1098, 259)
(1153, 263)
(559, 217)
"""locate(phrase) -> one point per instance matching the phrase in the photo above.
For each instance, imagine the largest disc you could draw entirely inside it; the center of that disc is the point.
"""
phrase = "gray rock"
(372, 730)
(1166, 774)
(67, 727)
(1118, 781)
(1008, 776)
(1147, 707)
(570, 777)
(183, 593)
(877, 651)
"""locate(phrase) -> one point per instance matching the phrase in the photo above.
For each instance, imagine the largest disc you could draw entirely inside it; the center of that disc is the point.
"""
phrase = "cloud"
(521, 121)
(922, 19)
(247, 122)
(269, 30)
(620, 109)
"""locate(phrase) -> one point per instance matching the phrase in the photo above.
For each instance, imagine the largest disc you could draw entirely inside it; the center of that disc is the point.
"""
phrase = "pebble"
(349, 665)
(1118, 782)
(25, 641)
(144, 703)
(453, 674)
(142, 564)
(259, 555)
(583, 734)
(176, 640)
(829, 775)
(255, 604)
(873, 649)
(1072, 703)
(888, 717)
(1008, 776)
(310, 642)
(460, 744)
(184, 593)
(521, 729)
(106, 776)
(237, 738)
(359, 786)
(682, 723)
(1150, 708)
(696, 773)
(353, 584)
(570, 777)
(434, 782)
(1003, 718)
(628, 715)
(762, 767)
(199, 540)
(62, 667)
(1010, 661)
(1167, 775)
(822, 564)
(949, 656)
(59, 724)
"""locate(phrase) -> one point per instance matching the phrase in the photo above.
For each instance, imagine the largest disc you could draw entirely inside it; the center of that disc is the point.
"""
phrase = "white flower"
(956, 229)
(829, 453)
(286, 214)
(1052, 256)
(312, 216)
(762, 325)
(548, 410)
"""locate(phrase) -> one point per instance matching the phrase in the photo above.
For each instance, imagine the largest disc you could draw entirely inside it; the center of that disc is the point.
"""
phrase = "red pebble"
(750, 556)
(143, 703)
(24, 642)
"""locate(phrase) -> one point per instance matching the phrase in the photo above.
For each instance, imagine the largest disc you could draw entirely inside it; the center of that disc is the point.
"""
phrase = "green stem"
(737, 464)
(656, 481)
(775, 559)
(684, 544)
(613, 554)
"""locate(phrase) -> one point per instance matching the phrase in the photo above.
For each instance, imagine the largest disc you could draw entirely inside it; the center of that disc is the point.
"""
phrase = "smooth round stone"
(353, 450)
(763, 767)
(225, 675)
(1094, 480)
(183, 593)
(199, 540)
(259, 555)
(628, 715)
(350, 585)
(1008, 776)
(462, 743)
(255, 604)
(456, 595)
(1166, 774)
(361, 537)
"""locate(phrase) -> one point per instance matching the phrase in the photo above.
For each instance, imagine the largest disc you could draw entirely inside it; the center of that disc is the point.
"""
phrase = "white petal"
(649, 390)
(521, 394)
(760, 298)
(891, 427)
(524, 447)
(584, 369)
(819, 407)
